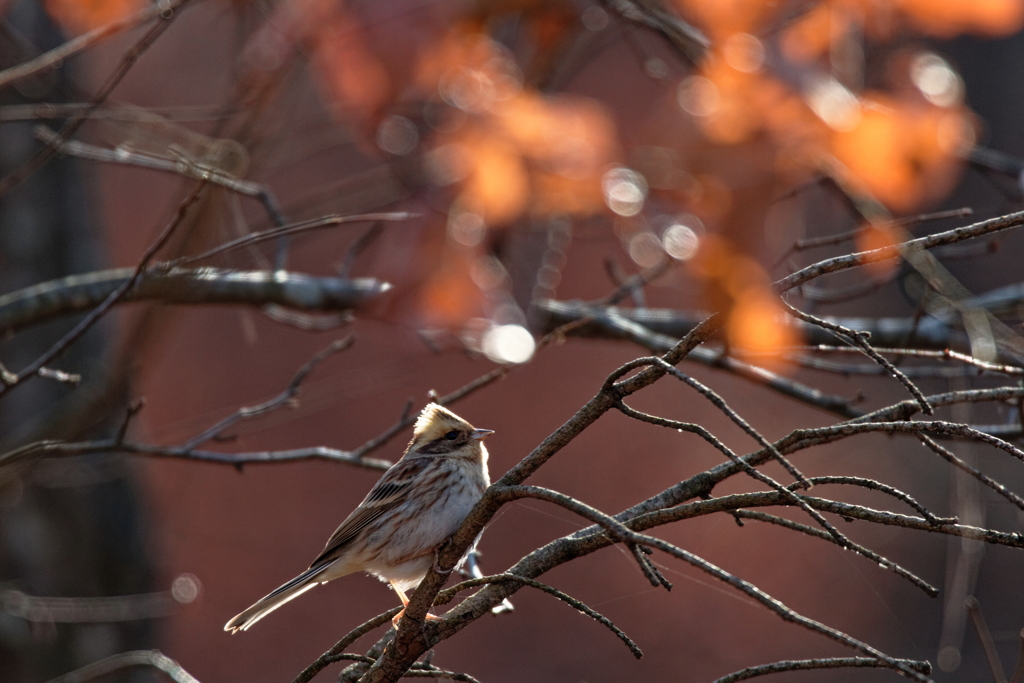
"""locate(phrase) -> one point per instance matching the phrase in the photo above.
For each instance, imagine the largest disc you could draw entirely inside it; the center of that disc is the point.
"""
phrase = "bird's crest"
(435, 421)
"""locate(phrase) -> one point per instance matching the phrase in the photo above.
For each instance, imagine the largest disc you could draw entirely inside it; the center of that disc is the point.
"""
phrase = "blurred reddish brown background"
(244, 533)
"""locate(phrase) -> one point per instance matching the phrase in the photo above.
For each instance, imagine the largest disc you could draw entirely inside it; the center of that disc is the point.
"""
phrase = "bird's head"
(439, 431)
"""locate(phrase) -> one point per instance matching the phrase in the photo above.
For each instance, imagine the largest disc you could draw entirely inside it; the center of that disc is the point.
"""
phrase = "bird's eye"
(452, 435)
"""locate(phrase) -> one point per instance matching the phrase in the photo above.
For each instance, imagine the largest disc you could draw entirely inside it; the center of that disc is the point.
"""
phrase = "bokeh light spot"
(698, 96)
(743, 52)
(645, 249)
(508, 344)
(624, 191)
(680, 242)
(397, 135)
(936, 80)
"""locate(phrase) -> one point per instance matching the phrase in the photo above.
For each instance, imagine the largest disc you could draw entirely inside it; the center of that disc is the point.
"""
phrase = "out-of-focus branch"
(167, 14)
(182, 166)
(691, 44)
(153, 659)
(927, 333)
(193, 286)
(840, 263)
(112, 297)
(57, 56)
(582, 320)
(95, 610)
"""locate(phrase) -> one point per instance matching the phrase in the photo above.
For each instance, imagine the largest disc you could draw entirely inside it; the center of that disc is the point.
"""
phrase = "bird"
(394, 534)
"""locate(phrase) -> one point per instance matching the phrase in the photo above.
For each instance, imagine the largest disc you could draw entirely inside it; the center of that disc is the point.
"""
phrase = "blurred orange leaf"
(449, 297)
(757, 325)
(904, 153)
(879, 236)
(80, 16)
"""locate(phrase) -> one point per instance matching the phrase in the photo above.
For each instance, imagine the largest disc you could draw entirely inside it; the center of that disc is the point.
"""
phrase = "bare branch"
(974, 610)
(169, 11)
(99, 610)
(77, 293)
(834, 265)
(75, 334)
(182, 166)
(720, 403)
(148, 658)
(737, 460)
(56, 57)
(923, 667)
(285, 397)
(931, 590)
(287, 231)
(951, 458)
(446, 596)
(878, 486)
(860, 340)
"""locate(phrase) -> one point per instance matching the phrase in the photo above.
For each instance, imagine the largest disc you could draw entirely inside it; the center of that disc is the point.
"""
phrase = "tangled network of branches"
(760, 167)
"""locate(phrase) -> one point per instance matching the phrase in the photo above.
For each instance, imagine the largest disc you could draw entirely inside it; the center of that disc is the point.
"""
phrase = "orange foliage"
(904, 153)
(351, 72)
(811, 36)
(80, 16)
(738, 286)
(901, 151)
(757, 326)
(523, 151)
(449, 297)
(947, 18)
(881, 236)
(726, 17)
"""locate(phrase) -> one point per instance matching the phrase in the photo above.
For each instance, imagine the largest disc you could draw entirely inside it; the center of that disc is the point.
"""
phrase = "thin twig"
(839, 238)
(985, 636)
(720, 403)
(168, 13)
(101, 310)
(834, 265)
(58, 55)
(860, 339)
(360, 245)
(182, 166)
(945, 354)
(338, 648)
(884, 488)
(884, 562)
(1018, 671)
(729, 503)
(617, 530)
(960, 464)
(287, 230)
(285, 397)
(446, 596)
(923, 667)
(742, 463)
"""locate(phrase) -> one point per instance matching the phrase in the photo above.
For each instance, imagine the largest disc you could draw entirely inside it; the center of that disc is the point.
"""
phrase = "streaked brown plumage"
(414, 508)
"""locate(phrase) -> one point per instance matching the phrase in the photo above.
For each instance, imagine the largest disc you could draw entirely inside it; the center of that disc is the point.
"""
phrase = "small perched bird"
(414, 508)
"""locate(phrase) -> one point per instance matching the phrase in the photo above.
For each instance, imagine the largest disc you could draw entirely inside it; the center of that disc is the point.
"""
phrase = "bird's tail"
(293, 589)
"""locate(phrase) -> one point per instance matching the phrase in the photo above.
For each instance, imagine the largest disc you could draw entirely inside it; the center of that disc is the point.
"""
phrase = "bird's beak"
(480, 434)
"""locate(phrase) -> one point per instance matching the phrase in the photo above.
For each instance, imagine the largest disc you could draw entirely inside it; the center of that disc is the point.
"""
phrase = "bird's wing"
(387, 494)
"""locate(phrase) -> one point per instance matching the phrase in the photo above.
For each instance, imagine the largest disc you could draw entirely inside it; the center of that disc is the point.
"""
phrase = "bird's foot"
(398, 618)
